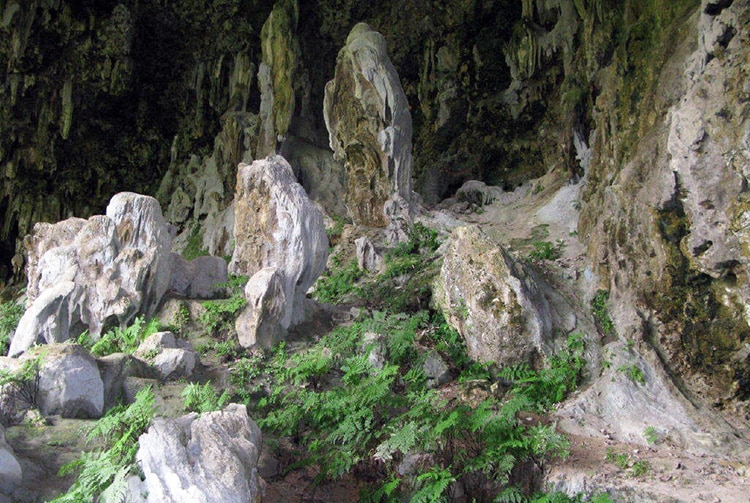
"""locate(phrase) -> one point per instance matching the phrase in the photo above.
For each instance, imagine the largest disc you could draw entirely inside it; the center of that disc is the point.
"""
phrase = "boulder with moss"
(492, 300)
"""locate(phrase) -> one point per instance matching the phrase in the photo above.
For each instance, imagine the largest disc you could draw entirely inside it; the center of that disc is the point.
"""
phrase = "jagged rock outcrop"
(276, 226)
(207, 458)
(197, 193)
(85, 274)
(666, 210)
(370, 128)
(322, 176)
(491, 300)
(10, 469)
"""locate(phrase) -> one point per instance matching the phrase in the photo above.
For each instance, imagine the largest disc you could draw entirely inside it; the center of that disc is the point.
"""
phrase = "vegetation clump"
(346, 412)
(120, 340)
(102, 473)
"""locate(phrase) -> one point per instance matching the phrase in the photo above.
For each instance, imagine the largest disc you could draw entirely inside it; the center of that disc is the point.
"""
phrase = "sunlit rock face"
(370, 128)
(86, 274)
(276, 226)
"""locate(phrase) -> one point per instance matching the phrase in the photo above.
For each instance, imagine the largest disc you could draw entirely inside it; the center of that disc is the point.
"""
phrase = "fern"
(510, 495)
(200, 399)
(121, 340)
(102, 474)
(434, 484)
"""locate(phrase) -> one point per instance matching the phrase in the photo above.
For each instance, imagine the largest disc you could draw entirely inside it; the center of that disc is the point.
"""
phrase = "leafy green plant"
(600, 311)
(560, 497)
(334, 232)
(383, 414)
(634, 373)
(410, 267)
(103, 473)
(197, 398)
(333, 285)
(651, 435)
(546, 250)
(120, 340)
(624, 461)
(23, 383)
(10, 315)
(220, 314)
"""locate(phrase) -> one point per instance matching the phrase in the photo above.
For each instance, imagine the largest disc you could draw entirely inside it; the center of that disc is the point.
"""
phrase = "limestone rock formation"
(69, 382)
(370, 128)
(322, 176)
(203, 459)
(116, 371)
(369, 258)
(260, 322)
(667, 224)
(85, 274)
(277, 226)
(491, 300)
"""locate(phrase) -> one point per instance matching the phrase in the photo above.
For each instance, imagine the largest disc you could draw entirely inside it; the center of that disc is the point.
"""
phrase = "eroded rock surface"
(277, 226)
(85, 274)
(202, 459)
(370, 127)
(491, 300)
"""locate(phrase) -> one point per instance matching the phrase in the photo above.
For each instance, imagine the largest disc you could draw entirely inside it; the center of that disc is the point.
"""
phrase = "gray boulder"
(85, 274)
(260, 322)
(70, 384)
(369, 127)
(491, 300)
(369, 258)
(171, 357)
(436, 370)
(277, 226)
(10, 470)
(202, 459)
